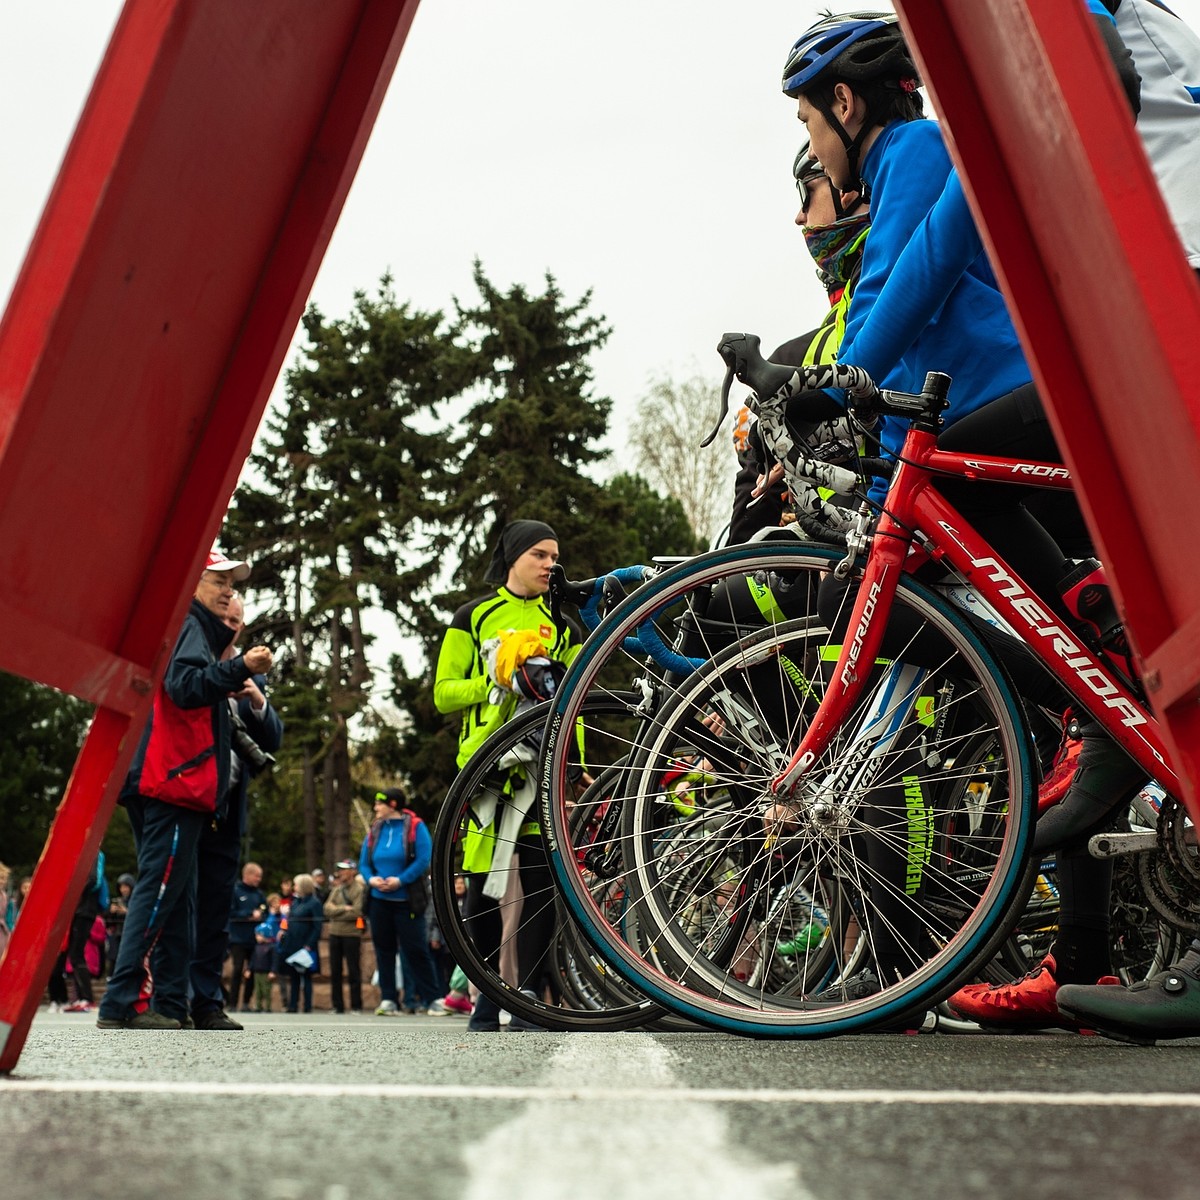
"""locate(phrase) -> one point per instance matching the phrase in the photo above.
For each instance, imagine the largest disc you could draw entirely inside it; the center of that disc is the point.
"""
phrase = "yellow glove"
(513, 648)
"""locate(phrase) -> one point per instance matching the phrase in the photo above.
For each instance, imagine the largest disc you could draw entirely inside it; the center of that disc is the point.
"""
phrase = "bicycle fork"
(859, 651)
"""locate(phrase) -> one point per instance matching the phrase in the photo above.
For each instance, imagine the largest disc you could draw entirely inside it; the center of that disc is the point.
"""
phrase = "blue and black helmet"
(864, 48)
(853, 46)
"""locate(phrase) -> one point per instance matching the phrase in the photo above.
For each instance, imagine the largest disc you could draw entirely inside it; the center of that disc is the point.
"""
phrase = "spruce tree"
(351, 471)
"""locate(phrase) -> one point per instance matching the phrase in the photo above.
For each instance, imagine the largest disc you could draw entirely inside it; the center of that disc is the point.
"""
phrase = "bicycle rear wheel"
(578, 990)
(926, 832)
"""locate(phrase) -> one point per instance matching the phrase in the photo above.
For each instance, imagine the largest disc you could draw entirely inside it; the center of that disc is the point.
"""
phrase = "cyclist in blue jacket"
(928, 300)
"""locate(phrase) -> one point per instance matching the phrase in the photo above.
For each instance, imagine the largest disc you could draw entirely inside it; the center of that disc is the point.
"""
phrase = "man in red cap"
(179, 778)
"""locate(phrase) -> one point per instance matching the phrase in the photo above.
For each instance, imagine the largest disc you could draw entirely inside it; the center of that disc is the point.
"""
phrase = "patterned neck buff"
(837, 248)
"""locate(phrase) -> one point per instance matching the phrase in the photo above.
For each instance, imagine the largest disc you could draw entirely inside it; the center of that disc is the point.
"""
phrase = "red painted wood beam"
(1105, 302)
(144, 334)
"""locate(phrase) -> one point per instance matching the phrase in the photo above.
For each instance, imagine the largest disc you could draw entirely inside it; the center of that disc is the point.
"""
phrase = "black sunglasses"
(805, 181)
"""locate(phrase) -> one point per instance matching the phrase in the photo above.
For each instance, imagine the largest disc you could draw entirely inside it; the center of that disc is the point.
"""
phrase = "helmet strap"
(853, 147)
(838, 211)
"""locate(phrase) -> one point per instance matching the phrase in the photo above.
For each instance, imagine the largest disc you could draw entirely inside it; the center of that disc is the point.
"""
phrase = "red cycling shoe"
(1027, 1003)
(1061, 774)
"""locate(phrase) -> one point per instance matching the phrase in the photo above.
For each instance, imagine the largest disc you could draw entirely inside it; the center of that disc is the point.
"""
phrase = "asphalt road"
(415, 1108)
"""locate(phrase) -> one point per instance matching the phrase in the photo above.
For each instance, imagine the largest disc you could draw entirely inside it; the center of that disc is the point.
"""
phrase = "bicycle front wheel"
(903, 849)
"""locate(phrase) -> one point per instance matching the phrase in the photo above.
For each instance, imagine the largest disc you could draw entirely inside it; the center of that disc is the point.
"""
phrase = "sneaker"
(854, 987)
(83, 1006)
(485, 1018)
(866, 983)
(216, 1018)
(387, 1008)
(1166, 1005)
(1027, 1003)
(519, 1023)
(143, 1020)
(54, 1007)
(452, 1005)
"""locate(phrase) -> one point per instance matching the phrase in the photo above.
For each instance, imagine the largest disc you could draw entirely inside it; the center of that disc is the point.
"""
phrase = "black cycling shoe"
(1166, 1005)
(854, 987)
(866, 983)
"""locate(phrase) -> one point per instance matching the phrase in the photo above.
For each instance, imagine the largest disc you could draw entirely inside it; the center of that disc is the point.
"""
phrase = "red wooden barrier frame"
(145, 331)
(186, 227)
(1107, 306)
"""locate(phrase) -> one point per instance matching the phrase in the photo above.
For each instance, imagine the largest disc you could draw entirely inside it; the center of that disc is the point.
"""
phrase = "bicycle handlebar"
(589, 594)
(774, 384)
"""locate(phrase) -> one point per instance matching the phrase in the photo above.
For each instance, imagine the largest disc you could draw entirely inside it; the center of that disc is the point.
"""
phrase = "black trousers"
(348, 950)
(216, 877)
(1033, 529)
(241, 985)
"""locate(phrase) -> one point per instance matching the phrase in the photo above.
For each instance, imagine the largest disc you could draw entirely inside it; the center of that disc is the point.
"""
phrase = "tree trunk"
(309, 795)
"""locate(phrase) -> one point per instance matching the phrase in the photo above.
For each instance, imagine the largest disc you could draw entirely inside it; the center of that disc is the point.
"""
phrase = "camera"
(246, 748)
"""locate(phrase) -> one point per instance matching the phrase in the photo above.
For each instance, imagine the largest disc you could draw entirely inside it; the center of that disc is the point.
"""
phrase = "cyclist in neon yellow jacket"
(484, 671)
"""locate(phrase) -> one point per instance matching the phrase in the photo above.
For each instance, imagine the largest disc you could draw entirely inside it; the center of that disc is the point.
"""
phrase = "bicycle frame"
(915, 512)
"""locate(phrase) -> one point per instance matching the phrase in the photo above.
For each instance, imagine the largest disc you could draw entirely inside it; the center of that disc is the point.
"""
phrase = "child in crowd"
(262, 964)
(274, 919)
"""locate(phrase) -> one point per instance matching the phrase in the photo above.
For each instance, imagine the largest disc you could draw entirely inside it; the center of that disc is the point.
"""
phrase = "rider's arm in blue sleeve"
(937, 255)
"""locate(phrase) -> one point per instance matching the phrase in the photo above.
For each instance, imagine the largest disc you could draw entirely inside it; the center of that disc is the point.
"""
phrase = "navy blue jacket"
(304, 921)
(242, 921)
(196, 678)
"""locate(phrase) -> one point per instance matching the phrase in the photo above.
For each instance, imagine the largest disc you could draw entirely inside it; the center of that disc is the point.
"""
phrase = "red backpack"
(180, 764)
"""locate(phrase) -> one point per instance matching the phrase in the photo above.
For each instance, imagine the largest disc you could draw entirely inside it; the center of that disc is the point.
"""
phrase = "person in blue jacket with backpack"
(394, 860)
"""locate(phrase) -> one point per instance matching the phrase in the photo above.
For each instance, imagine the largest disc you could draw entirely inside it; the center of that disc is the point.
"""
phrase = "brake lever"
(732, 349)
(729, 374)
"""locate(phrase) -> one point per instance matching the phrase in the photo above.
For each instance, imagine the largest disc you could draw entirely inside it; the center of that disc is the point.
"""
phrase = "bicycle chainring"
(1170, 873)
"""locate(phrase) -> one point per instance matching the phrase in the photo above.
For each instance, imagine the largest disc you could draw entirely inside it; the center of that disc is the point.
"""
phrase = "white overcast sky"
(639, 148)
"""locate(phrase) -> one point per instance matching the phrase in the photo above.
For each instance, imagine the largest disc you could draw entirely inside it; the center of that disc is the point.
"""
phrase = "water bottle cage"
(1096, 620)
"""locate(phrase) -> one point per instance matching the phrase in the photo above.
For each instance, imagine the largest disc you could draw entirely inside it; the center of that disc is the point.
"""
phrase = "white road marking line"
(588, 1093)
(603, 1150)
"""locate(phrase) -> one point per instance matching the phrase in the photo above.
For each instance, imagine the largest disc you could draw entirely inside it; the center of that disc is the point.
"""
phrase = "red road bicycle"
(892, 777)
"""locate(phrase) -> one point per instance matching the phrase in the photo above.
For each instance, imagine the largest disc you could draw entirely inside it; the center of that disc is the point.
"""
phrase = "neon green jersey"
(462, 684)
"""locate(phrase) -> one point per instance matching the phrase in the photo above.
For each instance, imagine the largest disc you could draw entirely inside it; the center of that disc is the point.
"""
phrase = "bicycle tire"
(1005, 777)
(593, 997)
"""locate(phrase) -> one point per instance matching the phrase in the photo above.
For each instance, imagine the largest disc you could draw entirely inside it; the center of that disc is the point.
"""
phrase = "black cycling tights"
(1032, 529)
(1105, 781)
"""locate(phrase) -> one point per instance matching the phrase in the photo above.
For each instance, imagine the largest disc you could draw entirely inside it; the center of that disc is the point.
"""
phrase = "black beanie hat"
(515, 538)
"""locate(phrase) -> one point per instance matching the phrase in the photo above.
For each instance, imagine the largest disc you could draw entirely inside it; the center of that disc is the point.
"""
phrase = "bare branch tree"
(673, 419)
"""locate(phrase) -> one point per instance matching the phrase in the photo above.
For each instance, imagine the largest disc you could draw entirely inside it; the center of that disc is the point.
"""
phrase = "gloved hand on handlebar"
(813, 407)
